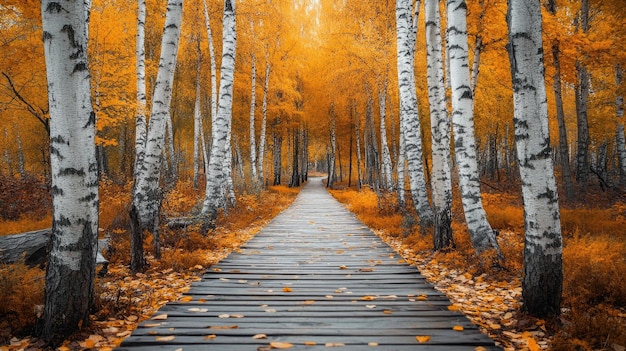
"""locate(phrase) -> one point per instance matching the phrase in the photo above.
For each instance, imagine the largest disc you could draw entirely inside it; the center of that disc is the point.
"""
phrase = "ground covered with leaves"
(594, 295)
(124, 299)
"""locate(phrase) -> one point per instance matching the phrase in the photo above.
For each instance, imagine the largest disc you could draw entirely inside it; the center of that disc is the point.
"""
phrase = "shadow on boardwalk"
(314, 277)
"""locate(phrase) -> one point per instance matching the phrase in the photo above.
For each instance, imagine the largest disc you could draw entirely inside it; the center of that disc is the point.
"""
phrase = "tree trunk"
(219, 165)
(197, 125)
(140, 65)
(137, 260)
(357, 133)
(619, 131)
(207, 23)
(582, 96)
(295, 168)
(74, 240)
(253, 164)
(481, 233)
(409, 116)
(385, 156)
(147, 192)
(543, 273)
(333, 149)
(441, 180)
(266, 86)
(278, 145)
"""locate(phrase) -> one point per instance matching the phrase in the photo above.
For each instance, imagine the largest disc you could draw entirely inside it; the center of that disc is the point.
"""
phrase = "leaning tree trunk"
(543, 272)
(440, 129)
(333, 149)
(253, 160)
(481, 233)
(147, 192)
(215, 195)
(72, 260)
(619, 132)
(409, 117)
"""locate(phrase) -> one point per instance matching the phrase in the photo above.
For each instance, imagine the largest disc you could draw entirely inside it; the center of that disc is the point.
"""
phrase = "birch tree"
(263, 138)
(409, 117)
(386, 166)
(253, 160)
(197, 124)
(140, 65)
(74, 240)
(207, 23)
(543, 272)
(440, 129)
(480, 231)
(216, 178)
(147, 194)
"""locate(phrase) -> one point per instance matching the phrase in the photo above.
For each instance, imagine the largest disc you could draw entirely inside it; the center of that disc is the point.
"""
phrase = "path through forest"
(315, 277)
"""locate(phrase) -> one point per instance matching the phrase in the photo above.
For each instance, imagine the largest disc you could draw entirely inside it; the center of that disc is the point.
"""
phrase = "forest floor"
(594, 312)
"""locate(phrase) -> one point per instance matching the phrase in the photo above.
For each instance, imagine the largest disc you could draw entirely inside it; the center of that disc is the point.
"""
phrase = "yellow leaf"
(368, 298)
(287, 289)
(480, 348)
(260, 336)
(454, 308)
(308, 302)
(372, 344)
(458, 328)
(89, 344)
(186, 298)
(335, 344)
(63, 348)
(532, 345)
(280, 345)
(310, 343)
(387, 312)
(343, 267)
(160, 317)
(422, 298)
(209, 337)
(165, 338)
(422, 338)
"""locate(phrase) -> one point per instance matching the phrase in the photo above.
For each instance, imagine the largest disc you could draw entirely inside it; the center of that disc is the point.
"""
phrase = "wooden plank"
(316, 274)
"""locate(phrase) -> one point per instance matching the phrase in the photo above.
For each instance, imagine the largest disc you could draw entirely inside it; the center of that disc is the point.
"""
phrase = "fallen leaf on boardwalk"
(368, 298)
(422, 298)
(372, 344)
(280, 345)
(422, 338)
(219, 327)
(270, 310)
(224, 279)
(370, 306)
(480, 348)
(151, 325)
(260, 336)
(366, 269)
(343, 267)
(224, 316)
(454, 308)
(388, 312)
(186, 298)
(308, 302)
(237, 316)
(195, 309)
(334, 344)
(287, 289)
(390, 297)
(165, 338)
(160, 317)
(458, 328)
(209, 337)
(330, 297)
(179, 349)
(310, 343)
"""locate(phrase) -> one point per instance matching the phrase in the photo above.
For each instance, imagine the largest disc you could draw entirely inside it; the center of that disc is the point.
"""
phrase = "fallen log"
(32, 248)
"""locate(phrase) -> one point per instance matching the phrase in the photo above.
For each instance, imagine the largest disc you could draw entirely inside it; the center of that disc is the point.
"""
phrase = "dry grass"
(594, 257)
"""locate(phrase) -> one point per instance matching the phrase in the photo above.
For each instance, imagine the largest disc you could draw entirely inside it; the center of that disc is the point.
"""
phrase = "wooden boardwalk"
(315, 277)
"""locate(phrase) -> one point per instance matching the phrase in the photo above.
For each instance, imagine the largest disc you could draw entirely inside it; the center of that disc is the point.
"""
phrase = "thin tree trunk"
(357, 133)
(481, 233)
(253, 164)
(543, 272)
(619, 131)
(582, 96)
(333, 149)
(219, 165)
(197, 125)
(441, 180)
(74, 240)
(147, 192)
(264, 121)
(295, 168)
(141, 129)
(386, 157)
(409, 116)
(278, 145)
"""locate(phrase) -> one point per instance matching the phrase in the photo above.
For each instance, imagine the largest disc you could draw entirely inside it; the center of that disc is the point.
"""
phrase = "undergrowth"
(594, 257)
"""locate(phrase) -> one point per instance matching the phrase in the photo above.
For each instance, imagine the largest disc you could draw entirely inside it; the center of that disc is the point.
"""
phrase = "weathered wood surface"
(315, 274)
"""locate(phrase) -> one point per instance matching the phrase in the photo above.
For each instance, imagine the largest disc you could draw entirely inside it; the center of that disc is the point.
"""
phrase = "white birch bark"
(401, 171)
(409, 117)
(384, 146)
(543, 273)
(619, 132)
(74, 238)
(140, 66)
(213, 66)
(219, 166)
(147, 191)
(197, 128)
(357, 132)
(440, 129)
(266, 87)
(253, 164)
(480, 231)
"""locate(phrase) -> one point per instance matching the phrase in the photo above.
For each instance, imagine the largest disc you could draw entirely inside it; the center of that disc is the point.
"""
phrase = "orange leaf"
(422, 338)
(310, 343)
(165, 338)
(458, 328)
(280, 345)
(287, 289)
(160, 317)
